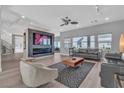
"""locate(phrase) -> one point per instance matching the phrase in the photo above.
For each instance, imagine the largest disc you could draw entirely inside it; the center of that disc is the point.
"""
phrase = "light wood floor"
(11, 61)
(10, 78)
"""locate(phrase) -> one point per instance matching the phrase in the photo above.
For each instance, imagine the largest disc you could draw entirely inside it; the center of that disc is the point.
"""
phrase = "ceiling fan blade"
(74, 22)
(69, 20)
(66, 17)
(62, 24)
(64, 20)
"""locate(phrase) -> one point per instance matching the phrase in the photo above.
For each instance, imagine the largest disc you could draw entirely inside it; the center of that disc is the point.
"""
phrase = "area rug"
(72, 77)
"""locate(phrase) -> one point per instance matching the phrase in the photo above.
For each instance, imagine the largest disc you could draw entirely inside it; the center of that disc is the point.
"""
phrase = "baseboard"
(65, 54)
(0, 69)
(7, 54)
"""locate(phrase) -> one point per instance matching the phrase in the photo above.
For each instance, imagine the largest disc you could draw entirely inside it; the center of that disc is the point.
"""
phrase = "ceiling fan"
(98, 12)
(68, 21)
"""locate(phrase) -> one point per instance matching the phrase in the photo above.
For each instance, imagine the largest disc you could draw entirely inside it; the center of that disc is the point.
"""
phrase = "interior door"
(18, 41)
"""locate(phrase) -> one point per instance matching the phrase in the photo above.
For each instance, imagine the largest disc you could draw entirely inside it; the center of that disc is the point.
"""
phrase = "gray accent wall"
(116, 28)
(31, 46)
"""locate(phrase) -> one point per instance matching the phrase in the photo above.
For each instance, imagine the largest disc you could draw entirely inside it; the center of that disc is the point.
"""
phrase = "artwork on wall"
(40, 39)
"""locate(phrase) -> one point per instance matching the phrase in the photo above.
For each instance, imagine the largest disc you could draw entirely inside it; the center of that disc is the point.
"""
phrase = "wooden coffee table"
(73, 62)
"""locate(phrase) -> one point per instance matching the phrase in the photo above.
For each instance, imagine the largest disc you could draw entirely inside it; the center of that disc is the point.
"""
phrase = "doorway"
(18, 43)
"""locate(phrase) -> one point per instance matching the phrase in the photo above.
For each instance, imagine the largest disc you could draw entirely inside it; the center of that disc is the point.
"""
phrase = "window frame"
(106, 41)
(67, 43)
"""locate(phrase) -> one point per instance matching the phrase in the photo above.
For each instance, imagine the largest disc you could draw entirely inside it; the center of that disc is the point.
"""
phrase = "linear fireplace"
(37, 51)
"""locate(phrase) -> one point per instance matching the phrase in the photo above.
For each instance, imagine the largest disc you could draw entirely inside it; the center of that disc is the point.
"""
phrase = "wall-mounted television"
(41, 39)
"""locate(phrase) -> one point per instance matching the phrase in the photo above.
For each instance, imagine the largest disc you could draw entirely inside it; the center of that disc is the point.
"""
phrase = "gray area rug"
(72, 77)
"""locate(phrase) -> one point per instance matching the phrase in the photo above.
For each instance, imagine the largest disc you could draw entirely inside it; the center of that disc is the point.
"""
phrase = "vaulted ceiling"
(50, 16)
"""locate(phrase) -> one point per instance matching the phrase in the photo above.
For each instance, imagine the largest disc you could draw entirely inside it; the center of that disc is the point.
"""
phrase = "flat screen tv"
(41, 39)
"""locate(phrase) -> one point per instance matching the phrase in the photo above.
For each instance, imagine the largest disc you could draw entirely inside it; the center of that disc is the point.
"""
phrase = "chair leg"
(119, 81)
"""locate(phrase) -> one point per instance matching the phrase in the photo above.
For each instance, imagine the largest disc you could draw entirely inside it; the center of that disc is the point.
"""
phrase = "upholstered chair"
(34, 75)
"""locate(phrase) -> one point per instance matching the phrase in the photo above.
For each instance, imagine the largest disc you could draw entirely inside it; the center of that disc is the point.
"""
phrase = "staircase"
(6, 47)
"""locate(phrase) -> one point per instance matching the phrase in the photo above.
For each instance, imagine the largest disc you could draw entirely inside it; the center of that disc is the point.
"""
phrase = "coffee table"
(73, 61)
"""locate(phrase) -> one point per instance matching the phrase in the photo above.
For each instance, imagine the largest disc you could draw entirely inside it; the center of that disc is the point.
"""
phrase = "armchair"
(34, 75)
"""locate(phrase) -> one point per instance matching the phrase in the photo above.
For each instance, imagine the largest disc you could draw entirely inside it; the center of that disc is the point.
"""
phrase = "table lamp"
(122, 43)
(122, 46)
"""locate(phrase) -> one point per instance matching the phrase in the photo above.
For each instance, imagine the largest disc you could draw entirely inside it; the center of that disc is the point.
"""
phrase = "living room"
(62, 47)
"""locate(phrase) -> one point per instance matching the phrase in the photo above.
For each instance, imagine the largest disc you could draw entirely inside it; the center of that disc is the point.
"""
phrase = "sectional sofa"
(87, 53)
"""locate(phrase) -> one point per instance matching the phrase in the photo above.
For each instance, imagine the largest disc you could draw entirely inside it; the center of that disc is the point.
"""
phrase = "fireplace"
(37, 51)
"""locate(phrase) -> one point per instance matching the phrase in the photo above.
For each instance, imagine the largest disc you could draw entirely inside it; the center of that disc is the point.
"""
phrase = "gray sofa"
(87, 53)
(113, 56)
(113, 67)
(108, 72)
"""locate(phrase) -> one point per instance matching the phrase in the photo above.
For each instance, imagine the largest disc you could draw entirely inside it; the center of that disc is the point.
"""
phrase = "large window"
(80, 42)
(84, 43)
(67, 43)
(57, 44)
(76, 42)
(92, 41)
(105, 41)
(18, 41)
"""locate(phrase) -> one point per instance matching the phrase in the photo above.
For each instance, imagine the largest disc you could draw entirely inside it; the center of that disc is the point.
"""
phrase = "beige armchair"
(34, 75)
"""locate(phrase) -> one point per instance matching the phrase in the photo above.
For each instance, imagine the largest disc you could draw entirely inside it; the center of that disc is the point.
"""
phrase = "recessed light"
(61, 29)
(77, 25)
(23, 16)
(107, 18)
(31, 23)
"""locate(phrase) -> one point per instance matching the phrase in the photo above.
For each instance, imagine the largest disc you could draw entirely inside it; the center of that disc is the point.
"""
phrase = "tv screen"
(41, 39)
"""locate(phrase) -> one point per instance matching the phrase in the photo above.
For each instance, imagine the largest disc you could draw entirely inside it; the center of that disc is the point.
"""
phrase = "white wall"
(116, 28)
(0, 40)
(6, 36)
(0, 54)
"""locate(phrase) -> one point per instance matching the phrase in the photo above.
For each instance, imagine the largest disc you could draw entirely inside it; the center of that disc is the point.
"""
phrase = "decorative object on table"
(122, 43)
(73, 58)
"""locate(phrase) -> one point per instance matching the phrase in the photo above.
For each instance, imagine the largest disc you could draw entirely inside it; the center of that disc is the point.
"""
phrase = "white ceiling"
(50, 16)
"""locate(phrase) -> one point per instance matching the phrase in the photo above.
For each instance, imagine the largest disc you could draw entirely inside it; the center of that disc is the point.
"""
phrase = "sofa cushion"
(83, 50)
(113, 56)
(93, 51)
(76, 50)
